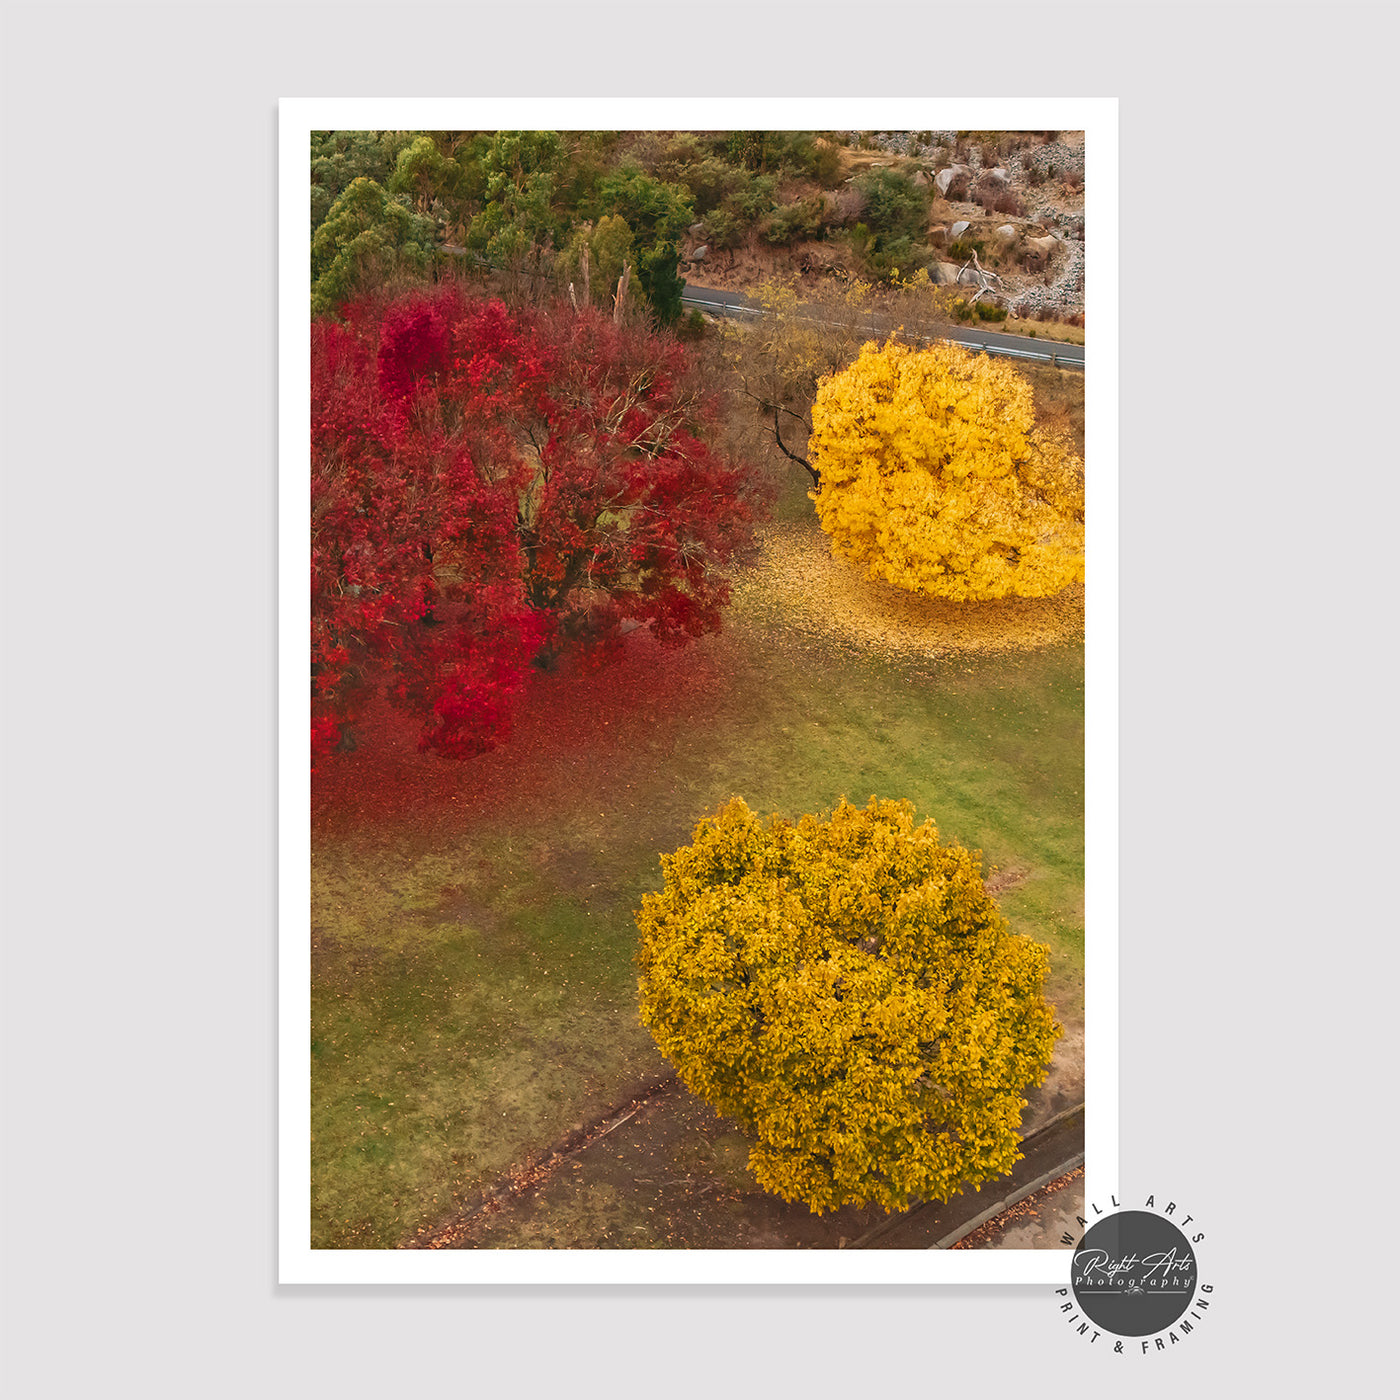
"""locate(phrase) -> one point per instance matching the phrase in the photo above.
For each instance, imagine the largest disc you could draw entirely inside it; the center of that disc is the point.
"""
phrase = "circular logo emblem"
(1134, 1273)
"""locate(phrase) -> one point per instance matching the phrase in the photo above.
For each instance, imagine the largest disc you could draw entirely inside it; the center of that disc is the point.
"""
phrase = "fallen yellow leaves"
(798, 585)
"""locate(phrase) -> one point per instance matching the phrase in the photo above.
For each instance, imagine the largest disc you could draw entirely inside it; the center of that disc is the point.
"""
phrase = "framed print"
(698, 857)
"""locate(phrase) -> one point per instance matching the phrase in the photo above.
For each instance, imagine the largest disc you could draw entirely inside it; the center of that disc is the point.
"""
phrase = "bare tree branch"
(984, 280)
(792, 456)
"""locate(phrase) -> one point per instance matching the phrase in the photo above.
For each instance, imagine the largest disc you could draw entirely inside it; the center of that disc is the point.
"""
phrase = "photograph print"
(694, 791)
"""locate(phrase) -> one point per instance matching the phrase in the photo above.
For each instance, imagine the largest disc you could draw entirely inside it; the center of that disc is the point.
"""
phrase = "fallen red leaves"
(570, 727)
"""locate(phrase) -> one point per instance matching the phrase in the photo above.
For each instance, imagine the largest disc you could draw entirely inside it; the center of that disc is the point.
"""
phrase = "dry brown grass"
(1044, 330)
(854, 162)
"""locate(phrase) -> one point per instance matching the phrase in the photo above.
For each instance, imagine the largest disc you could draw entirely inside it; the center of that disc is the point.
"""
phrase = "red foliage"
(491, 487)
(578, 735)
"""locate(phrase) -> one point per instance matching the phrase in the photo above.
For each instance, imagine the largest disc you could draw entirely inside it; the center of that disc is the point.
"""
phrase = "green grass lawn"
(473, 991)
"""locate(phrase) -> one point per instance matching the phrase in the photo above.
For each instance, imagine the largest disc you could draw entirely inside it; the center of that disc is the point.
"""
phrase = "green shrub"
(887, 260)
(825, 164)
(895, 207)
(890, 236)
(791, 222)
(723, 229)
(771, 150)
(684, 148)
(711, 181)
(753, 198)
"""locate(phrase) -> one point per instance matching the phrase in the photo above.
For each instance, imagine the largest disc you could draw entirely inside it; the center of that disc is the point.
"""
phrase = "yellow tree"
(849, 993)
(935, 477)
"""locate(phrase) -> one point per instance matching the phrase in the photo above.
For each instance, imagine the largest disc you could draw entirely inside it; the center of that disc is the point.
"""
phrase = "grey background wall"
(138, 593)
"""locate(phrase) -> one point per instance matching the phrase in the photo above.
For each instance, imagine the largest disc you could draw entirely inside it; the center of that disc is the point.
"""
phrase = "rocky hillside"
(1016, 199)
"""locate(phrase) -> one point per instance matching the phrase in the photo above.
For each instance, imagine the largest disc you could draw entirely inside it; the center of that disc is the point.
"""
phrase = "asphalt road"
(720, 303)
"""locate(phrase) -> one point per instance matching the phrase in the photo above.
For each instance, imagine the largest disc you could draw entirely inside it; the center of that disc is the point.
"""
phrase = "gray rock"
(701, 253)
(959, 228)
(1006, 231)
(944, 178)
(949, 274)
(1039, 251)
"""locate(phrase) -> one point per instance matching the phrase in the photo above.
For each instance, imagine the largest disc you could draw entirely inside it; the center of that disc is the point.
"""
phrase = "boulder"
(958, 229)
(697, 230)
(701, 253)
(944, 178)
(1000, 173)
(1006, 231)
(1039, 251)
(949, 274)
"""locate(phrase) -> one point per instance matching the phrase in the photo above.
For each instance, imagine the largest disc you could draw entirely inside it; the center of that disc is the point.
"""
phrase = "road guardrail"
(1051, 357)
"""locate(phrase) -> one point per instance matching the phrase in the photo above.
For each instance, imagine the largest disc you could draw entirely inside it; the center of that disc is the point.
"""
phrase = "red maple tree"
(491, 487)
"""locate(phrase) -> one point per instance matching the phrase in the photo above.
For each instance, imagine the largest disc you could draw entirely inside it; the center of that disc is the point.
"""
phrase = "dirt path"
(667, 1172)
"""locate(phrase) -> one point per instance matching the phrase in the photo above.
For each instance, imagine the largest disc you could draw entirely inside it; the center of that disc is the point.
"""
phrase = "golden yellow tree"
(806, 333)
(935, 477)
(849, 993)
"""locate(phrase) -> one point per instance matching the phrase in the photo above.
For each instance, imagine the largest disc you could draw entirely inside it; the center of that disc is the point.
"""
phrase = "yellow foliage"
(935, 477)
(849, 993)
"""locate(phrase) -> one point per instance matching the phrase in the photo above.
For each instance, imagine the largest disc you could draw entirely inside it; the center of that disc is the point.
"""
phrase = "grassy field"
(473, 990)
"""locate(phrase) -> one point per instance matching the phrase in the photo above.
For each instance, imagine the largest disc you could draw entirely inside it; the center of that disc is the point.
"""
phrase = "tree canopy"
(849, 993)
(518, 218)
(519, 199)
(425, 173)
(340, 157)
(657, 213)
(492, 487)
(935, 477)
(365, 238)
